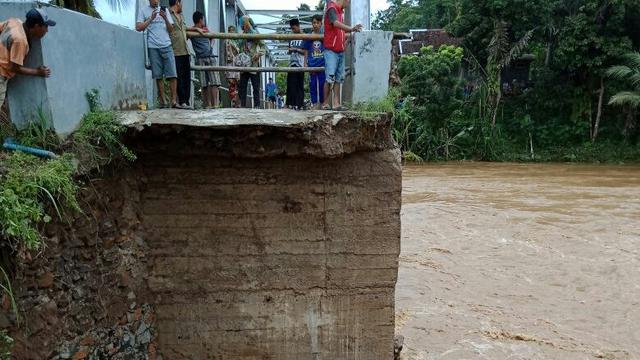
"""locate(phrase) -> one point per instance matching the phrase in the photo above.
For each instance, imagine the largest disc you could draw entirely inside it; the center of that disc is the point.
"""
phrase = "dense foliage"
(29, 184)
(34, 190)
(461, 109)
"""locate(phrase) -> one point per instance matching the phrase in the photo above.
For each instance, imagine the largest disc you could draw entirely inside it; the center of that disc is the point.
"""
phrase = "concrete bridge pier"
(272, 234)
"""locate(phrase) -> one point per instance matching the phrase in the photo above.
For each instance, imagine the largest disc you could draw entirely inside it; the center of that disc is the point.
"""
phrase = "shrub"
(27, 185)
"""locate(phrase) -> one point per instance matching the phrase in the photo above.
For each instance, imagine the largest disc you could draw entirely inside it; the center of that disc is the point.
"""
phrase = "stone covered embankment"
(235, 235)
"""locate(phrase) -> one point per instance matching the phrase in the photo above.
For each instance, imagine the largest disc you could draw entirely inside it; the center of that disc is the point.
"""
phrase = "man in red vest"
(334, 41)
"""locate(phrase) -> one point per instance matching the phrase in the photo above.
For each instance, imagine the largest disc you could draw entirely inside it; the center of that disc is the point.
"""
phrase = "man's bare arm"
(346, 28)
(42, 71)
(141, 26)
(166, 21)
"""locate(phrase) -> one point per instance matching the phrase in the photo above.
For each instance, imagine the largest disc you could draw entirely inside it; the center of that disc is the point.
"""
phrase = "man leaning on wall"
(15, 39)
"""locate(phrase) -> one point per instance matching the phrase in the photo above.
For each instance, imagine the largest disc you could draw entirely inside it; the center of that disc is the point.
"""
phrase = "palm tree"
(502, 51)
(88, 6)
(628, 74)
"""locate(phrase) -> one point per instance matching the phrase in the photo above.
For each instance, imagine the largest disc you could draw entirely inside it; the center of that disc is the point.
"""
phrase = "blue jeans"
(334, 66)
(163, 63)
(316, 87)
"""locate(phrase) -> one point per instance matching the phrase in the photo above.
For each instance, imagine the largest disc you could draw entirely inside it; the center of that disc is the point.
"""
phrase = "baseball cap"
(39, 16)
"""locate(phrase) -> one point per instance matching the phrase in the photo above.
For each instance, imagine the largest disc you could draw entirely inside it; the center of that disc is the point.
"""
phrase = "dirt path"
(510, 261)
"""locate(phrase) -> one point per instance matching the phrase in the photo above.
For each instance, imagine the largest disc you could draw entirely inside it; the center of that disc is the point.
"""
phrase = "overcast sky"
(126, 17)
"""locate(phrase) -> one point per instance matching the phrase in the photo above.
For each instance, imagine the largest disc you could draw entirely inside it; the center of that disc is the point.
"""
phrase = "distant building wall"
(83, 53)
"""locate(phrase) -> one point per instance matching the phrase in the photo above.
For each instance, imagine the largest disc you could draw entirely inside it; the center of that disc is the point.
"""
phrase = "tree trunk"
(599, 113)
(547, 58)
(496, 106)
(630, 121)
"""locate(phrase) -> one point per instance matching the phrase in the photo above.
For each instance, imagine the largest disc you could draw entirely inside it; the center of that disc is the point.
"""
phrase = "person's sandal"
(326, 107)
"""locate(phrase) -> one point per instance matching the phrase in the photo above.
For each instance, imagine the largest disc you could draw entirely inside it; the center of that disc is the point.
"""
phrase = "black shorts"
(272, 98)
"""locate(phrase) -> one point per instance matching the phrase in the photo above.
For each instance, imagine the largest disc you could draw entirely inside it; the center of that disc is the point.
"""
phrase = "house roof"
(427, 37)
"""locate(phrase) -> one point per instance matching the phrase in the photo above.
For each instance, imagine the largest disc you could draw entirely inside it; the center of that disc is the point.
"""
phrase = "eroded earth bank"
(237, 239)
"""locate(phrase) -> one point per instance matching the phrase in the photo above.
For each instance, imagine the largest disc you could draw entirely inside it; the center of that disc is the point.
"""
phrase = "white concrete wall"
(83, 53)
(371, 66)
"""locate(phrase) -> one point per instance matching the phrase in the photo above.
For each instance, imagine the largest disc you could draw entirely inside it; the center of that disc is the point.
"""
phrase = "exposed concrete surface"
(264, 133)
(225, 117)
(83, 53)
(289, 256)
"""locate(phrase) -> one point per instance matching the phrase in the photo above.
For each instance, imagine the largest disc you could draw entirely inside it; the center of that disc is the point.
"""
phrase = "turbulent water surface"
(511, 261)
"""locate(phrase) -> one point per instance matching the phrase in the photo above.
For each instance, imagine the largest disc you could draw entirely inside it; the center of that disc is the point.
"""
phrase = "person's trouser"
(183, 68)
(3, 89)
(295, 90)
(233, 92)
(316, 87)
(334, 66)
(163, 63)
(255, 84)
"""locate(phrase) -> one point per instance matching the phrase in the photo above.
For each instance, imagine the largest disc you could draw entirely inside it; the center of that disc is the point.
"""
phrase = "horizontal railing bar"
(282, 37)
(280, 26)
(282, 12)
(257, 69)
(236, 36)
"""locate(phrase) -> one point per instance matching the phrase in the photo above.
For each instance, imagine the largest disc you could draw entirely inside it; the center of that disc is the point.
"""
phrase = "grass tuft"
(27, 185)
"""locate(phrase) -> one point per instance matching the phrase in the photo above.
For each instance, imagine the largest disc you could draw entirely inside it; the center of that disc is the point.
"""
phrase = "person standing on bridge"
(272, 94)
(15, 39)
(178, 36)
(334, 46)
(250, 53)
(315, 58)
(209, 80)
(158, 23)
(295, 80)
(231, 53)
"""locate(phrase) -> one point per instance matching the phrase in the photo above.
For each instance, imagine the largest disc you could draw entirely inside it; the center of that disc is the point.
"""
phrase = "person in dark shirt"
(209, 80)
(315, 58)
(295, 81)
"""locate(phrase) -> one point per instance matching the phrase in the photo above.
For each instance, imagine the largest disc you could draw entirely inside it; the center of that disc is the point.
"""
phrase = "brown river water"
(520, 261)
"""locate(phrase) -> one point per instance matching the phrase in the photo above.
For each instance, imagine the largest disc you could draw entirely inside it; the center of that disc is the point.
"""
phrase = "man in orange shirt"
(15, 38)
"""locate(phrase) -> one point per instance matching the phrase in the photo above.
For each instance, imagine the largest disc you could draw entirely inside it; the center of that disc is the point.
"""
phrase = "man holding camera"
(158, 23)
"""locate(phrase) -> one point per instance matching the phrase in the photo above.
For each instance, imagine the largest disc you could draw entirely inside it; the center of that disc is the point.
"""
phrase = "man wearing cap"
(15, 39)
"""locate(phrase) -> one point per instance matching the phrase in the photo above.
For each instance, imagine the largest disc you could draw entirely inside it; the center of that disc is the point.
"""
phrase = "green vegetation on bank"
(579, 102)
(6, 345)
(27, 187)
(35, 190)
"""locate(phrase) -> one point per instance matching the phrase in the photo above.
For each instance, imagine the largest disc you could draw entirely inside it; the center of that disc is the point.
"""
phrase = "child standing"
(295, 80)
(233, 77)
(209, 80)
(315, 58)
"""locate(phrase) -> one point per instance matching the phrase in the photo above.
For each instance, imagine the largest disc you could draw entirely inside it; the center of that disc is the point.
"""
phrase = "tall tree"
(88, 6)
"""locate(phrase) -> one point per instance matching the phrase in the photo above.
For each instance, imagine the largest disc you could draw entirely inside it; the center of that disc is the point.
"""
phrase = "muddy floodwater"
(511, 261)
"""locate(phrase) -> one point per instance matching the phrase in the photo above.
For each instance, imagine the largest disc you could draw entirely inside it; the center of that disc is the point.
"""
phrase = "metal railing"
(278, 37)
